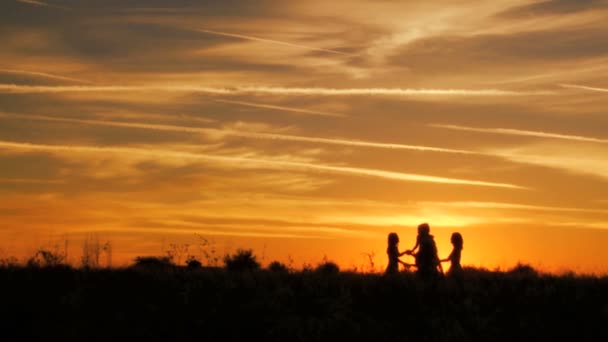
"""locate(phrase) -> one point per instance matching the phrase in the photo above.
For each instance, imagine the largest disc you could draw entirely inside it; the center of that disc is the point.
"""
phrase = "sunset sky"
(307, 130)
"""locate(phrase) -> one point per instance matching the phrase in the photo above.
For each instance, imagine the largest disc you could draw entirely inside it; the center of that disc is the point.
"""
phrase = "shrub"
(46, 258)
(524, 269)
(328, 267)
(152, 261)
(192, 262)
(277, 266)
(242, 260)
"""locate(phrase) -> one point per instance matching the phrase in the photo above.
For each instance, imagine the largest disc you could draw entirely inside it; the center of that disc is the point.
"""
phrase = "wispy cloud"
(580, 224)
(573, 158)
(283, 108)
(33, 2)
(27, 89)
(42, 4)
(582, 87)
(249, 162)
(515, 206)
(511, 131)
(14, 88)
(243, 134)
(45, 75)
(272, 41)
(30, 181)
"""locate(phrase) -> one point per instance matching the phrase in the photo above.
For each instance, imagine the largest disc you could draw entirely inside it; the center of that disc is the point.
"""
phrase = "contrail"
(515, 206)
(35, 89)
(42, 4)
(30, 181)
(26, 89)
(251, 135)
(44, 74)
(264, 40)
(384, 91)
(251, 162)
(576, 86)
(287, 109)
(33, 2)
(509, 131)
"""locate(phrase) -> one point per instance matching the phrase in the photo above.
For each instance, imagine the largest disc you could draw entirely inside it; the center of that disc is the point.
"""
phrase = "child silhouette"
(394, 254)
(454, 257)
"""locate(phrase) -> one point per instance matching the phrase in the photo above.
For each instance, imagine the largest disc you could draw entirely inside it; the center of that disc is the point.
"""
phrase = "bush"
(242, 260)
(192, 263)
(152, 261)
(279, 267)
(328, 267)
(524, 270)
(46, 258)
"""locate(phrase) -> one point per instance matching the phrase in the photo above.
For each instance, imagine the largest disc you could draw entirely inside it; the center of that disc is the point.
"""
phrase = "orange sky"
(306, 130)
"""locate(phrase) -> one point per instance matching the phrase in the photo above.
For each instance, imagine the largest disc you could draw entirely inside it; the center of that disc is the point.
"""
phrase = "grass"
(215, 304)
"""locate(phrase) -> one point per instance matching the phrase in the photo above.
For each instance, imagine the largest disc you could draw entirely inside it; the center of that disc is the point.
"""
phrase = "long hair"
(456, 239)
(393, 238)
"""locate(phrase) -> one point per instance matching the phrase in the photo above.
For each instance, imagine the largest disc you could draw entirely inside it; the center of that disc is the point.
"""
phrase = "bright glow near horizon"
(306, 130)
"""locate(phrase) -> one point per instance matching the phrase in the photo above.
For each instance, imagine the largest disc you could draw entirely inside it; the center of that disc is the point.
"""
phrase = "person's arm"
(439, 266)
(448, 258)
(405, 264)
(411, 251)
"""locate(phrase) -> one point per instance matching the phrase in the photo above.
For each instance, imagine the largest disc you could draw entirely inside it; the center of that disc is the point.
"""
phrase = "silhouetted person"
(425, 253)
(393, 255)
(454, 257)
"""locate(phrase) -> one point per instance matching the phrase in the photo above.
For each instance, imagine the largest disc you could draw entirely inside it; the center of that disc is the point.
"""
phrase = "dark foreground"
(178, 304)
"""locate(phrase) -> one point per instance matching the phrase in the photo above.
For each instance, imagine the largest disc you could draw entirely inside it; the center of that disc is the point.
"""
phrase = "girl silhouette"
(394, 254)
(454, 257)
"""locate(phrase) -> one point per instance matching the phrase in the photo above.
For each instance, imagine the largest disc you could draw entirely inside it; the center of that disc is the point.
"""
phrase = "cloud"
(30, 181)
(283, 108)
(245, 162)
(553, 7)
(219, 133)
(271, 41)
(514, 206)
(519, 132)
(577, 159)
(31, 89)
(501, 52)
(42, 4)
(582, 87)
(44, 75)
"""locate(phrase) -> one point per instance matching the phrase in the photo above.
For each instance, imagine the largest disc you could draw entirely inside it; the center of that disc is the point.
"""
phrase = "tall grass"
(175, 303)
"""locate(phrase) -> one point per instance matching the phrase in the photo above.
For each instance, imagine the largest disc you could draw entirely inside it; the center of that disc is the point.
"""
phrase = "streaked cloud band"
(582, 87)
(519, 132)
(272, 41)
(39, 89)
(242, 134)
(283, 108)
(250, 162)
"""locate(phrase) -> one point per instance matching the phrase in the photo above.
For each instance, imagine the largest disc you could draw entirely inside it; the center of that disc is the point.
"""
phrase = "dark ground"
(213, 304)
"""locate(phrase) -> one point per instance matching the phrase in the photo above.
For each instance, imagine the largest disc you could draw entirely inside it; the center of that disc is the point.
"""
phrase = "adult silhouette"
(425, 253)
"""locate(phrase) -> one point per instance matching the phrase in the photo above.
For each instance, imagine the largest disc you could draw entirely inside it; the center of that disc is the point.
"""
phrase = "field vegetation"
(156, 299)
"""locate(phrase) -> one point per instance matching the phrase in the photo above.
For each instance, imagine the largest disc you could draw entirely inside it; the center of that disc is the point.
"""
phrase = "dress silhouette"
(454, 257)
(393, 254)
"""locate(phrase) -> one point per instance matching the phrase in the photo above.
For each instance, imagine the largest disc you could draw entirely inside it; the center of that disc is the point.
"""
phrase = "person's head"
(393, 238)
(424, 229)
(456, 240)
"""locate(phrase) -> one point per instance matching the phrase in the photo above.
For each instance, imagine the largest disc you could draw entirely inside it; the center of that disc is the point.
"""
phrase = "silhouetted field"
(214, 304)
